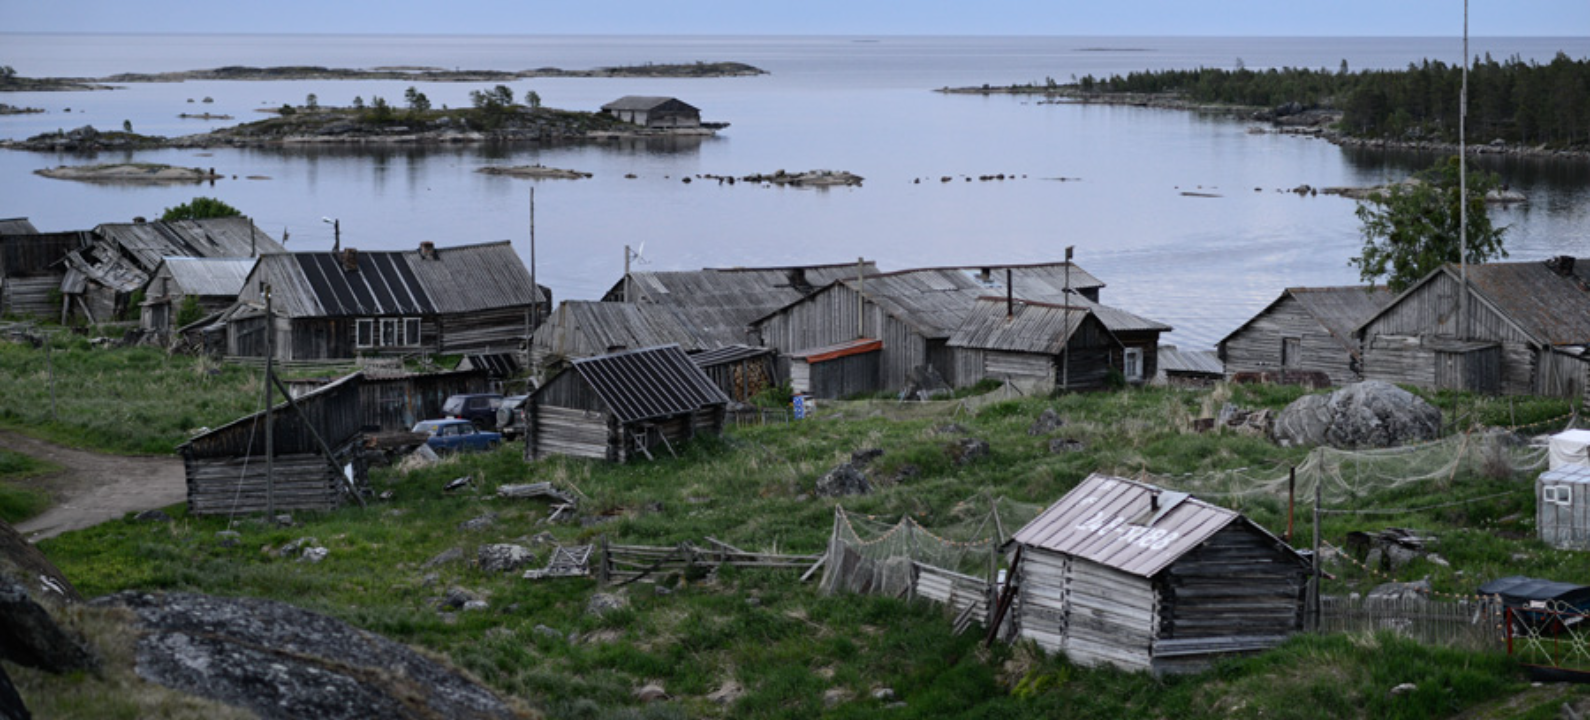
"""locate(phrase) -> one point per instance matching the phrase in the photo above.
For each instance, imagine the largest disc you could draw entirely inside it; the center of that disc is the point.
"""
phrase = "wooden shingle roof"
(1337, 309)
(934, 301)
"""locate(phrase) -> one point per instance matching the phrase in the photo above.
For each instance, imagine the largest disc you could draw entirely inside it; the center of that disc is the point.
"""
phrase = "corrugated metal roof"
(721, 303)
(934, 301)
(1550, 306)
(17, 226)
(1341, 309)
(581, 328)
(649, 383)
(644, 102)
(1030, 327)
(1176, 360)
(1130, 526)
(147, 243)
(459, 279)
(209, 276)
(728, 354)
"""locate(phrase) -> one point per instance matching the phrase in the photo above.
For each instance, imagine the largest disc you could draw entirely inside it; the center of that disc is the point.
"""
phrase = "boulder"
(450, 555)
(1367, 414)
(603, 603)
(503, 557)
(283, 662)
(1059, 446)
(29, 635)
(862, 458)
(11, 706)
(458, 597)
(479, 523)
(1048, 421)
(843, 480)
(25, 564)
(968, 451)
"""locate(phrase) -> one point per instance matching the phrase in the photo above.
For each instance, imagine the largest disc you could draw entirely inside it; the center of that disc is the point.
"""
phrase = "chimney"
(985, 275)
(427, 250)
(350, 260)
(139, 220)
(1562, 265)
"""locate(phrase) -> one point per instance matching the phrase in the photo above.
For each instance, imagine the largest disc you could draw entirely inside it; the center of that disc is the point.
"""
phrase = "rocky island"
(534, 172)
(137, 173)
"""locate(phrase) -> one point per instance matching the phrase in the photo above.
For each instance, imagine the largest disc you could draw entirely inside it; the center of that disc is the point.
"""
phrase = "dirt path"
(92, 488)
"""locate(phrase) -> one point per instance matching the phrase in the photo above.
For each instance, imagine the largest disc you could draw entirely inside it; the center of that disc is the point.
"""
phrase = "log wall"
(221, 486)
(1257, 346)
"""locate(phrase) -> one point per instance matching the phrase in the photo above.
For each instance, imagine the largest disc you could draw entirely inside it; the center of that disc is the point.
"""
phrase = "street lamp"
(336, 229)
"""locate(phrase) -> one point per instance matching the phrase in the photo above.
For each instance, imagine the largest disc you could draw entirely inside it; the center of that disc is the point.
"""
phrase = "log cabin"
(1305, 329)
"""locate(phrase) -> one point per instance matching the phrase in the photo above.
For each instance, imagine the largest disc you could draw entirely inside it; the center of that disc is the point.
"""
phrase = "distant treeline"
(1512, 100)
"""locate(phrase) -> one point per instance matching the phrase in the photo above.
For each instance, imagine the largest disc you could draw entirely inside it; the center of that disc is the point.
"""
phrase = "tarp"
(1569, 447)
(1520, 591)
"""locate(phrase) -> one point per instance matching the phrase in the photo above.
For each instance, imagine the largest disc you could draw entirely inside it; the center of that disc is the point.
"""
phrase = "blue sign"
(800, 406)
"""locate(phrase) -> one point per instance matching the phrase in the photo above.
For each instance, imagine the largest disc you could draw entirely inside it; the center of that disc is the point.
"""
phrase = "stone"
(968, 451)
(1404, 689)
(458, 483)
(30, 636)
(479, 523)
(296, 547)
(726, 693)
(11, 705)
(283, 662)
(1399, 592)
(314, 555)
(863, 458)
(1048, 421)
(155, 515)
(603, 603)
(476, 606)
(842, 481)
(651, 692)
(1065, 445)
(1367, 414)
(883, 694)
(834, 697)
(501, 558)
(457, 597)
(548, 632)
(450, 555)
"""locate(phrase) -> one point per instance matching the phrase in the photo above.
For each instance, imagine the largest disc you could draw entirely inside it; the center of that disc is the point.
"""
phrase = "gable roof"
(208, 276)
(582, 328)
(1337, 309)
(146, 243)
(648, 383)
(720, 303)
(460, 279)
(1176, 360)
(1130, 526)
(646, 102)
(17, 226)
(1031, 327)
(1551, 307)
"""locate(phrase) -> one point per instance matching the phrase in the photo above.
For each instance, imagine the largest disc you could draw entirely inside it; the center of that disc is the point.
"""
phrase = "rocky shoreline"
(414, 74)
(1290, 119)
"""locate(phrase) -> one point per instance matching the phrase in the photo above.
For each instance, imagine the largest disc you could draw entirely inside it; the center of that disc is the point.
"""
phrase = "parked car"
(510, 416)
(455, 434)
(478, 408)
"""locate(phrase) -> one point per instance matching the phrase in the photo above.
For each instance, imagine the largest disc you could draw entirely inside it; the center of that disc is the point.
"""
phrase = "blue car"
(454, 435)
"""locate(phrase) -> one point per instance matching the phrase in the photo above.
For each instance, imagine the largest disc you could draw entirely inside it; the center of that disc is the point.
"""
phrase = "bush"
(200, 208)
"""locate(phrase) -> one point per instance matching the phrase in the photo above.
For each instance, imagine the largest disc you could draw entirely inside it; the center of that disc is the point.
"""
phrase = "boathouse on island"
(654, 112)
(1307, 330)
(621, 406)
(1130, 574)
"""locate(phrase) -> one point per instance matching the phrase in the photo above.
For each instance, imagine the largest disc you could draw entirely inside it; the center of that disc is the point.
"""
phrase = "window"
(365, 333)
(386, 332)
(1557, 494)
(1133, 364)
(1290, 349)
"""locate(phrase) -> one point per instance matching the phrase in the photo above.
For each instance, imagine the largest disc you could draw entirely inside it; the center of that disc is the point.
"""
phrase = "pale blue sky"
(807, 17)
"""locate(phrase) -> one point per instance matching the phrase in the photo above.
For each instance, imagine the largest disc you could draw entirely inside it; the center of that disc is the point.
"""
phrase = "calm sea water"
(1108, 180)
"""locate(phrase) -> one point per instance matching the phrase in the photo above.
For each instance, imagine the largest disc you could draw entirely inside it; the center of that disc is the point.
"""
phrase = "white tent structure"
(1569, 447)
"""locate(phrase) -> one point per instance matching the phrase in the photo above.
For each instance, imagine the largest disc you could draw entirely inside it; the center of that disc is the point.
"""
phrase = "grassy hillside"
(778, 648)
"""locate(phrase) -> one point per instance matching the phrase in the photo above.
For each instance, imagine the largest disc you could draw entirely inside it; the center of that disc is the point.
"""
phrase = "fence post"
(1313, 582)
(602, 561)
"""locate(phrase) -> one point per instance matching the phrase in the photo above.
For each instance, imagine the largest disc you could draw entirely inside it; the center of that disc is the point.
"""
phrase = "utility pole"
(1463, 187)
(626, 274)
(1313, 583)
(535, 290)
(270, 435)
(1065, 361)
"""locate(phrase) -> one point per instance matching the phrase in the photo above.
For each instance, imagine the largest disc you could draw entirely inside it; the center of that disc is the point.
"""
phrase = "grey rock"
(841, 481)
(479, 523)
(458, 597)
(30, 636)
(833, 697)
(603, 603)
(545, 631)
(283, 662)
(503, 557)
(1367, 414)
(1399, 592)
(1048, 421)
(1065, 445)
(968, 451)
(11, 705)
(1404, 689)
(651, 692)
(476, 606)
(458, 483)
(862, 458)
(884, 694)
(156, 515)
(314, 555)
(297, 547)
(450, 555)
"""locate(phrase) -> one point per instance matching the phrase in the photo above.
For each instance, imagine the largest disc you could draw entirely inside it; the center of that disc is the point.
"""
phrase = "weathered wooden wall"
(226, 485)
(1562, 375)
(840, 377)
(1234, 592)
(494, 330)
(31, 296)
(829, 317)
(1394, 351)
(1257, 346)
(1564, 525)
(552, 430)
(397, 403)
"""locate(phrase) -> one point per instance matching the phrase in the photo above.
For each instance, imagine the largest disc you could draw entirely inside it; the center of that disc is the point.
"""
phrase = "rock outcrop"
(1367, 414)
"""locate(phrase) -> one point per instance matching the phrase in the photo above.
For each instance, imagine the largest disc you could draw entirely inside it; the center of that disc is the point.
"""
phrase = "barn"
(204, 285)
(621, 406)
(465, 299)
(1525, 330)
(1035, 345)
(654, 112)
(1305, 329)
(1129, 574)
(227, 470)
(581, 329)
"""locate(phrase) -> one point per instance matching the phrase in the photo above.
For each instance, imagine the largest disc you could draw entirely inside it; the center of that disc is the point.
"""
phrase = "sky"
(807, 17)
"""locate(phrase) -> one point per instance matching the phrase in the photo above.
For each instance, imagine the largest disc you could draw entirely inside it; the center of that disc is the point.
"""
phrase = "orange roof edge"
(834, 352)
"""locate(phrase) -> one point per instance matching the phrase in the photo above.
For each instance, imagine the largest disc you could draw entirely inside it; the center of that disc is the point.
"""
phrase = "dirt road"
(92, 488)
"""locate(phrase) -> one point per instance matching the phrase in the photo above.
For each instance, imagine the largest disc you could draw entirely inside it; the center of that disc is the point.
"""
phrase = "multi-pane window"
(387, 332)
(1134, 364)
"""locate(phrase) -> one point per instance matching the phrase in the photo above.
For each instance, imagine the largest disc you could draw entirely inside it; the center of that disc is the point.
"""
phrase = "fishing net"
(871, 555)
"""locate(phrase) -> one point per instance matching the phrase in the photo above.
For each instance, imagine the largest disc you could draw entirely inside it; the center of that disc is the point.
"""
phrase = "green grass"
(786, 644)
(18, 502)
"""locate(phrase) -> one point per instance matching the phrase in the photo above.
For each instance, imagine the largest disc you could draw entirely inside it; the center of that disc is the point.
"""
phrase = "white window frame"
(1557, 494)
(1132, 364)
(385, 332)
(364, 333)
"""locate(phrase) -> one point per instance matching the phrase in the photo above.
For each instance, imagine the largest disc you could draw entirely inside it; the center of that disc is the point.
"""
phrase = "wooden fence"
(624, 564)
(965, 595)
(1471, 624)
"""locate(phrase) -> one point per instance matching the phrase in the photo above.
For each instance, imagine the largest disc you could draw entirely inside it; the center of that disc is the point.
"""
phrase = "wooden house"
(32, 267)
(1035, 345)
(466, 299)
(101, 278)
(915, 313)
(1525, 330)
(1129, 574)
(719, 304)
(1305, 329)
(581, 329)
(740, 371)
(837, 371)
(207, 285)
(654, 112)
(226, 467)
(1562, 507)
(620, 406)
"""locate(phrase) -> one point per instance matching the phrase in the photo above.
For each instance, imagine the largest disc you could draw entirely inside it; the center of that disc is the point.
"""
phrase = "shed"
(1188, 368)
(31, 270)
(226, 467)
(1126, 573)
(1562, 507)
(654, 112)
(212, 284)
(1524, 332)
(1305, 329)
(836, 371)
(618, 406)
(740, 371)
(465, 299)
(1034, 344)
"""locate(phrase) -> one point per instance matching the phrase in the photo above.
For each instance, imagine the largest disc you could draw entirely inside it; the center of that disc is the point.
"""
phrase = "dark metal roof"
(496, 365)
(1518, 590)
(728, 354)
(382, 284)
(17, 226)
(649, 383)
(455, 280)
(647, 102)
(1127, 525)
